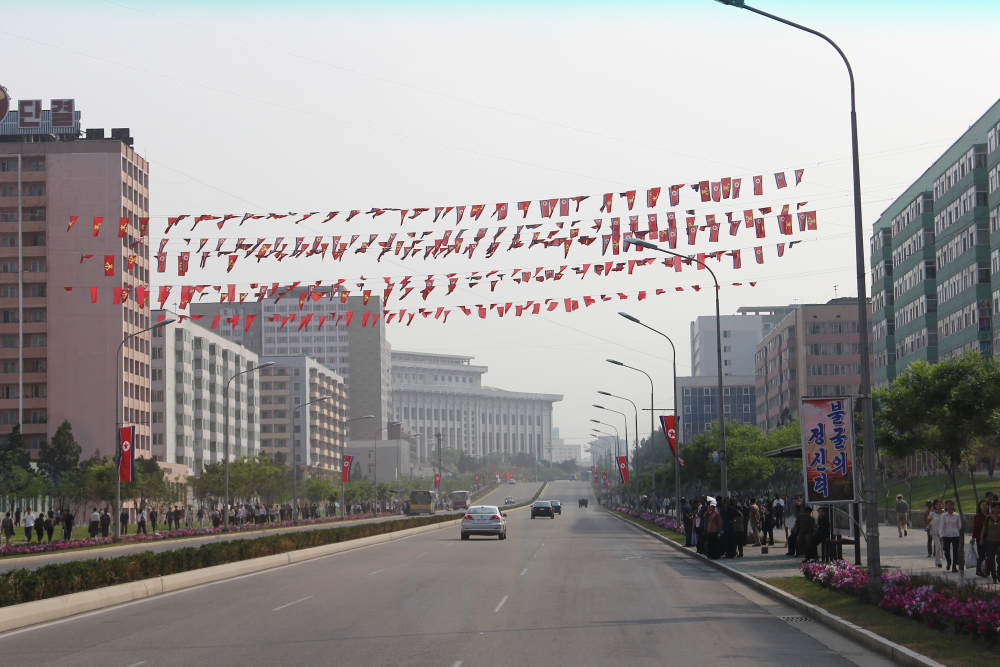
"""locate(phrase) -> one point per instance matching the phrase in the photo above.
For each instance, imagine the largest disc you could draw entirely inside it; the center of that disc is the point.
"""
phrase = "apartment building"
(740, 335)
(699, 404)
(444, 393)
(59, 351)
(813, 351)
(289, 417)
(935, 258)
(200, 406)
(560, 450)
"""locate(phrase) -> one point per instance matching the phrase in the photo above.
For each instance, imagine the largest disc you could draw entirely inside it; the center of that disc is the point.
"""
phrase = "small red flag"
(109, 265)
(758, 251)
(716, 191)
(675, 194)
(779, 180)
(122, 227)
(706, 192)
(758, 185)
(736, 188)
(652, 195)
(97, 225)
(727, 187)
(72, 221)
(798, 175)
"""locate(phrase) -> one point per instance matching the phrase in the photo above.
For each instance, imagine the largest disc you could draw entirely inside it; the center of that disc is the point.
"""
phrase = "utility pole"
(440, 469)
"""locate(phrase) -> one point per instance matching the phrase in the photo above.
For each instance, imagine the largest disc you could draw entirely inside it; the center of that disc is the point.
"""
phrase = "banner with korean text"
(828, 450)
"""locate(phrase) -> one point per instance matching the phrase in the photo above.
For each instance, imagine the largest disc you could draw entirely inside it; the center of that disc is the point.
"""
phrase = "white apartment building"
(560, 451)
(740, 334)
(191, 369)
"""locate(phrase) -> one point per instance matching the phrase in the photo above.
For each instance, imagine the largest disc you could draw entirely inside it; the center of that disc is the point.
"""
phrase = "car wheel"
(532, 516)
(465, 536)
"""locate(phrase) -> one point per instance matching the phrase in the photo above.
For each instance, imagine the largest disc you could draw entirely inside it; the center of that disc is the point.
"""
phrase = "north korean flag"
(736, 188)
(671, 220)
(802, 221)
(669, 425)
(759, 224)
(126, 454)
(713, 234)
(779, 179)
(717, 191)
(623, 468)
(564, 207)
(758, 185)
(692, 230)
(672, 238)
(675, 194)
(736, 260)
(781, 250)
(758, 251)
(523, 206)
(798, 175)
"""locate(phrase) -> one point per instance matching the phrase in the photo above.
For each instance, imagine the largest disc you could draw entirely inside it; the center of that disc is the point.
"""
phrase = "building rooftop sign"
(30, 118)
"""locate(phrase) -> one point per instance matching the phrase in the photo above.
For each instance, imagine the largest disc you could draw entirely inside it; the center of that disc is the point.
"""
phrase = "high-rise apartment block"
(935, 264)
(699, 402)
(740, 334)
(59, 351)
(813, 351)
(197, 396)
(444, 393)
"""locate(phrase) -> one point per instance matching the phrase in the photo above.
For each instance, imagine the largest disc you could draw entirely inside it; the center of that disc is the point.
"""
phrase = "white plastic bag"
(971, 555)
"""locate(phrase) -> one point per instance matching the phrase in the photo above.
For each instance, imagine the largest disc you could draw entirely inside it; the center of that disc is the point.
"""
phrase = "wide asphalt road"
(581, 589)
(522, 492)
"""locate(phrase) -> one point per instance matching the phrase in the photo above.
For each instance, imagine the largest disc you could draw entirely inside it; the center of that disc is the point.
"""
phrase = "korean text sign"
(828, 451)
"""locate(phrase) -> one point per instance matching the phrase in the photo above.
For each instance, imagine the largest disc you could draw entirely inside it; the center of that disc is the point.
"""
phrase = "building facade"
(700, 402)
(443, 393)
(814, 351)
(740, 334)
(59, 351)
(935, 258)
(395, 456)
(198, 409)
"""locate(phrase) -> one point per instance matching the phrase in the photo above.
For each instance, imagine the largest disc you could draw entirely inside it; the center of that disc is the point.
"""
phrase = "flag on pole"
(346, 473)
(623, 468)
(126, 454)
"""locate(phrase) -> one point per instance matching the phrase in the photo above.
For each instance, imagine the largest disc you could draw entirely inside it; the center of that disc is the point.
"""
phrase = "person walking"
(29, 524)
(991, 539)
(713, 531)
(902, 514)
(686, 519)
(50, 524)
(7, 528)
(94, 526)
(928, 508)
(170, 518)
(978, 524)
(105, 523)
(754, 522)
(779, 512)
(767, 536)
(951, 535)
(153, 518)
(806, 526)
(140, 520)
(40, 526)
(68, 522)
(934, 522)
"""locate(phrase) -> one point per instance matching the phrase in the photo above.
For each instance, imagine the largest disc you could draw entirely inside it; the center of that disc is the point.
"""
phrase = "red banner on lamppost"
(623, 468)
(126, 454)
(477, 480)
(593, 469)
(346, 472)
(437, 480)
(604, 478)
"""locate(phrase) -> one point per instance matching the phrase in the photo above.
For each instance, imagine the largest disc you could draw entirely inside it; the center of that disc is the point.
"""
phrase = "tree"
(58, 457)
(13, 453)
(944, 409)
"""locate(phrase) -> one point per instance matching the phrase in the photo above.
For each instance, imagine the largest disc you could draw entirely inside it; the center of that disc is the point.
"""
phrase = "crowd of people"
(946, 534)
(723, 532)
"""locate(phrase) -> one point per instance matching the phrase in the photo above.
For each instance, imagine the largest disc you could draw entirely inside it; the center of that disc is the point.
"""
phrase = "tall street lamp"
(625, 417)
(295, 461)
(652, 430)
(634, 409)
(718, 352)
(868, 433)
(119, 420)
(607, 450)
(677, 467)
(345, 473)
(225, 437)
(616, 441)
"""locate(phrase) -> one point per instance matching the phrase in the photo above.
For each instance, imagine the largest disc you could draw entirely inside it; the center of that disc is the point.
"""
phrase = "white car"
(512, 482)
(484, 520)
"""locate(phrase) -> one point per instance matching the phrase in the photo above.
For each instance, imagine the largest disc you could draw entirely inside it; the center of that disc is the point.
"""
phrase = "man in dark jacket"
(806, 526)
(820, 533)
(688, 521)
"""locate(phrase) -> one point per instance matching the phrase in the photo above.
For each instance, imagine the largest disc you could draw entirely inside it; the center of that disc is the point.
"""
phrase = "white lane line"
(423, 554)
(377, 571)
(288, 605)
(501, 603)
(138, 663)
(535, 556)
(457, 664)
(523, 571)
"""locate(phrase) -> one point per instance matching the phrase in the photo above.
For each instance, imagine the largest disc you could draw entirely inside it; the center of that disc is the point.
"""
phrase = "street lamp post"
(636, 410)
(225, 438)
(295, 463)
(718, 351)
(652, 431)
(624, 417)
(677, 466)
(868, 433)
(345, 473)
(608, 450)
(119, 420)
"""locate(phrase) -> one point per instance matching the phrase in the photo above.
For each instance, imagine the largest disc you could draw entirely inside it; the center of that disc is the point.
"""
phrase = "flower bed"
(667, 522)
(63, 545)
(935, 607)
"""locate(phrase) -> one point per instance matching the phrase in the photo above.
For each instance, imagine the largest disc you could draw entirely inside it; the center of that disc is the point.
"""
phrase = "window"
(35, 189)
(37, 266)
(8, 165)
(35, 291)
(36, 214)
(727, 334)
(37, 366)
(10, 367)
(8, 241)
(8, 292)
(8, 341)
(37, 315)
(8, 267)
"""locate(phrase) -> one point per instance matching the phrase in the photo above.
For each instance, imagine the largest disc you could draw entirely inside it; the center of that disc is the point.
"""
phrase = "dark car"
(583, 502)
(542, 508)
(556, 506)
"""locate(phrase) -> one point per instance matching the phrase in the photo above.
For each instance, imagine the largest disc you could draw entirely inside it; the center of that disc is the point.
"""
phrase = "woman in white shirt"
(934, 521)
(951, 535)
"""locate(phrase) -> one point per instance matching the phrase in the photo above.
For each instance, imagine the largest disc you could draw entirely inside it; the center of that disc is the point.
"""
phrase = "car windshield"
(482, 509)
(543, 503)
(554, 502)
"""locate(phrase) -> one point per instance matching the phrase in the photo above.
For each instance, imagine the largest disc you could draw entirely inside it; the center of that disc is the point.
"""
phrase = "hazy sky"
(322, 106)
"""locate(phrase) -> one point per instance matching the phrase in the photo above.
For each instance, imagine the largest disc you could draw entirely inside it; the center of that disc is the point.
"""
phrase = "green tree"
(944, 409)
(60, 456)
(13, 453)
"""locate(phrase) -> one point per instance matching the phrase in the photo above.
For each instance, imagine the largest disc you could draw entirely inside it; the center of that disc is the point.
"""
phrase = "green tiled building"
(936, 258)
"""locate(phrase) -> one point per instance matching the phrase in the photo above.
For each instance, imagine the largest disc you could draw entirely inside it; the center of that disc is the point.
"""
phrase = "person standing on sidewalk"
(688, 524)
(779, 512)
(767, 524)
(713, 531)
(94, 526)
(929, 507)
(29, 524)
(991, 539)
(105, 523)
(978, 524)
(124, 522)
(951, 535)
(902, 514)
(7, 528)
(140, 520)
(934, 519)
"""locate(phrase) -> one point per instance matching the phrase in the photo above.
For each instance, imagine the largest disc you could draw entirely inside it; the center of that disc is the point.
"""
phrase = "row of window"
(30, 239)
(924, 203)
(883, 328)
(973, 274)
(713, 409)
(916, 341)
(30, 291)
(975, 196)
(30, 366)
(819, 328)
(32, 266)
(975, 158)
(833, 390)
(950, 325)
(30, 391)
(833, 369)
(819, 349)
(967, 239)
(915, 242)
(316, 307)
(919, 307)
(27, 190)
(30, 417)
(30, 340)
(27, 164)
(34, 214)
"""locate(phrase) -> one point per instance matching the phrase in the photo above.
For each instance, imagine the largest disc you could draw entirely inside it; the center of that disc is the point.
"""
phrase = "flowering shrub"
(63, 545)
(668, 522)
(938, 609)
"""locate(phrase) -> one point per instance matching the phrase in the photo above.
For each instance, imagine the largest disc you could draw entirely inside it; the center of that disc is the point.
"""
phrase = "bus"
(421, 502)
(460, 500)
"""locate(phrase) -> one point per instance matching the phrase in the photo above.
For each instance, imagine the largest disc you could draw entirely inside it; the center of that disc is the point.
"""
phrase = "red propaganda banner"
(623, 468)
(477, 480)
(126, 454)
(669, 425)
(346, 472)
(828, 449)
(604, 478)
(437, 480)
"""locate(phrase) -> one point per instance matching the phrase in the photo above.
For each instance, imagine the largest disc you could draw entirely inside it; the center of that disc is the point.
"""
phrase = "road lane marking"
(138, 663)
(288, 605)
(457, 664)
(423, 554)
(377, 571)
(501, 604)
(523, 571)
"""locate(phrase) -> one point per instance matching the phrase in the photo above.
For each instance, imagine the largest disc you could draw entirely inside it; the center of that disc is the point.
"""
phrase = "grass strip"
(660, 530)
(943, 646)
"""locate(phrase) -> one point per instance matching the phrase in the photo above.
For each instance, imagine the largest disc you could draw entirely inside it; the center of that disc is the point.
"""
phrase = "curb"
(52, 609)
(892, 650)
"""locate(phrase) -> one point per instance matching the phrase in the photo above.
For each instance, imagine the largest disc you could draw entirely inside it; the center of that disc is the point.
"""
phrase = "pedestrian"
(991, 538)
(95, 523)
(105, 522)
(928, 508)
(68, 522)
(7, 528)
(767, 524)
(153, 518)
(779, 513)
(754, 523)
(819, 535)
(739, 529)
(951, 535)
(696, 525)
(40, 526)
(29, 524)
(713, 529)
(140, 520)
(935, 527)
(50, 524)
(17, 517)
(902, 514)
(124, 522)
(730, 515)
(978, 524)
(806, 526)
(201, 517)
(688, 523)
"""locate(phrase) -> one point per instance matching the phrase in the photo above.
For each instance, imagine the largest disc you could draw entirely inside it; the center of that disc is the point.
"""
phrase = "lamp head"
(641, 243)
(265, 364)
(325, 398)
(595, 421)
(616, 363)
(630, 318)
(163, 323)
(733, 3)
(600, 406)
(603, 393)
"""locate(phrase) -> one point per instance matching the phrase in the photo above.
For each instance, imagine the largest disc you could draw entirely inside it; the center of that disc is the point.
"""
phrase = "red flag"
(736, 188)
(759, 252)
(692, 230)
(651, 196)
(122, 227)
(672, 238)
(564, 207)
(781, 250)
(798, 175)
(758, 185)
(126, 453)
(500, 212)
(72, 221)
(346, 471)
(437, 475)
(669, 426)
(109, 265)
(713, 235)
(811, 221)
(779, 179)
(97, 225)
(727, 187)
(785, 221)
(716, 191)
(706, 191)
(675, 194)
(523, 206)
(629, 198)
(93, 295)
(623, 468)
(759, 224)
(748, 217)
(736, 260)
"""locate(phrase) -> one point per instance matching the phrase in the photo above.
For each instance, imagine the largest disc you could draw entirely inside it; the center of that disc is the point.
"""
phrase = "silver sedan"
(484, 520)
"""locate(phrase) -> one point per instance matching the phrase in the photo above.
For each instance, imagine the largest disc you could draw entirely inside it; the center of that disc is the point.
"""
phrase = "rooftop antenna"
(835, 291)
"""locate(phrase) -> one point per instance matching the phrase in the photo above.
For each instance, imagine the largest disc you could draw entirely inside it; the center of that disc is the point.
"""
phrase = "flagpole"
(118, 422)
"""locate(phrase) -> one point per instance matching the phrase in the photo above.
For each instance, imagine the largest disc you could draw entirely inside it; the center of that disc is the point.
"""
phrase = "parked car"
(542, 508)
(556, 506)
(509, 500)
(484, 520)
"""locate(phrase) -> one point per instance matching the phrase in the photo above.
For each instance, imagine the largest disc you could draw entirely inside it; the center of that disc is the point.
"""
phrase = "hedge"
(23, 585)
